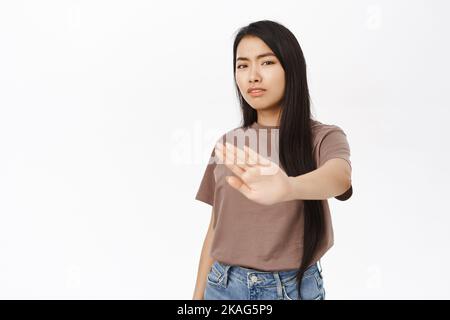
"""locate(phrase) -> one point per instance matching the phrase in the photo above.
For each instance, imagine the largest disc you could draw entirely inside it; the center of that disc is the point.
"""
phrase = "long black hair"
(295, 144)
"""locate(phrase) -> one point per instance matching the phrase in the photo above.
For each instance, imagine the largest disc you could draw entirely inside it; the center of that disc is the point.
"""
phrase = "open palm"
(256, 177)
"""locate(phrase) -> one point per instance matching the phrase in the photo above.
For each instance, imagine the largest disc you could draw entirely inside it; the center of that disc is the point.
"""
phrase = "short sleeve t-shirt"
(266, 237)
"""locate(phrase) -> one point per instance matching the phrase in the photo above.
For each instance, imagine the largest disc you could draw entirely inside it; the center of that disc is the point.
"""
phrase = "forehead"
(250, 47)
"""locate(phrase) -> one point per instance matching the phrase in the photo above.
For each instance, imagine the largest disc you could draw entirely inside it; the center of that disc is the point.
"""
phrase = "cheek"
(239, 81)
(278, 82)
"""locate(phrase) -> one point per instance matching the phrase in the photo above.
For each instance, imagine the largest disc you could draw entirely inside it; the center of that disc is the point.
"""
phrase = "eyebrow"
(257, 57)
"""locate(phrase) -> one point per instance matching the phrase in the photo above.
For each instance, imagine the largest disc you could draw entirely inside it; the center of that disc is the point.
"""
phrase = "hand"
(258, 178)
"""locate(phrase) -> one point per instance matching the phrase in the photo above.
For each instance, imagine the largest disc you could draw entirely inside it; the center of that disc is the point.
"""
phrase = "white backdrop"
(109, 111)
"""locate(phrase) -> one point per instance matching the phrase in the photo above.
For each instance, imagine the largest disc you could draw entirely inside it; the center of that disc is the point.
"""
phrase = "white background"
(109, 111)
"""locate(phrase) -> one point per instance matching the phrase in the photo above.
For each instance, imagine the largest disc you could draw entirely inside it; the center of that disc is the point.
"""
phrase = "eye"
(243, 65)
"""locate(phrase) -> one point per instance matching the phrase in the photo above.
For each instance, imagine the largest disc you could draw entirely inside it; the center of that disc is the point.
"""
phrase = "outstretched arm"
(264, 182)
(332, 179)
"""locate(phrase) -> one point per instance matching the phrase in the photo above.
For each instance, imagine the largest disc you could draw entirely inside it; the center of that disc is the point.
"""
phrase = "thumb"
(238, 184)
(232, 181)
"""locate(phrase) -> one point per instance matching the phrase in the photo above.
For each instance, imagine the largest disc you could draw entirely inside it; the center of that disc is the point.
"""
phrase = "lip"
(255, 88)
(256, 93)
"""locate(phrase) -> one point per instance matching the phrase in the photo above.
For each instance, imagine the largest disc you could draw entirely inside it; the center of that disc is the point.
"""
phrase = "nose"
(254, 75)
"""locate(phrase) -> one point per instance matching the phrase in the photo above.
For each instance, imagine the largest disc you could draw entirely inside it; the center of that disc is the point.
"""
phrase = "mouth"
(256, 93)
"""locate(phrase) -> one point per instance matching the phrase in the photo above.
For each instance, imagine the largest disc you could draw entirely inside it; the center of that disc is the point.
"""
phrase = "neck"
(270, 117)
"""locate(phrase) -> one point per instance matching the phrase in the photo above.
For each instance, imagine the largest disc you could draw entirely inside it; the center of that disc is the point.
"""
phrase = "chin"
(265, 107)
(256, 106)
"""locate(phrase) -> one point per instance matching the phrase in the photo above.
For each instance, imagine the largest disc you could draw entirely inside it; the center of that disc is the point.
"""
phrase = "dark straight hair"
(295, 144)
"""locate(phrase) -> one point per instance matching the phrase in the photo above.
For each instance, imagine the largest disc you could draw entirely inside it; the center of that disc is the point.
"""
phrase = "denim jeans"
(230, 282)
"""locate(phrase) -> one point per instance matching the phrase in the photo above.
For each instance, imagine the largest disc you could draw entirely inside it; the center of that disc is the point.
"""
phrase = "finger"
(223, 154)
(252, 156)
(241, 159)
(231, 150)
(236, 170)
(256, 157)
(228, 161)
(239, 185)
(219, 152)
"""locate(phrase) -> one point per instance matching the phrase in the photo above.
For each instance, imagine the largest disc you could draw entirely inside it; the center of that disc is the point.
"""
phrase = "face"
(255, 69)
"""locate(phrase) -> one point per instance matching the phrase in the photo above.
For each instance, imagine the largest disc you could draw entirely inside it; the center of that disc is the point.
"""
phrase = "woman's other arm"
(205, 262)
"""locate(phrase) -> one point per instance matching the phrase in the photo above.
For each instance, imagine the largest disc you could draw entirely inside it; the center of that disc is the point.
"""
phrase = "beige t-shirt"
(265, 237)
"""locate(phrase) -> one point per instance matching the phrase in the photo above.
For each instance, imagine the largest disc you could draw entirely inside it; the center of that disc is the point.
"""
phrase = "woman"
(268, 180)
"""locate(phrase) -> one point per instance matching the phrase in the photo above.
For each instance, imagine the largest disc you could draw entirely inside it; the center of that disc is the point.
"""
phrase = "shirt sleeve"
(334, 144)
(207, 186)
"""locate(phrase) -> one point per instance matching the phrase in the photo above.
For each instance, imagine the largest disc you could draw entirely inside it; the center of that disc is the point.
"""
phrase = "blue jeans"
(230, 282)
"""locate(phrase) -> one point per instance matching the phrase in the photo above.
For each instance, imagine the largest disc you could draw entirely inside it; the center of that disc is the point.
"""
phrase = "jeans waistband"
(262, 278)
